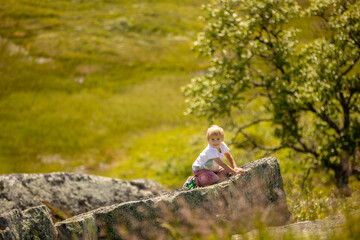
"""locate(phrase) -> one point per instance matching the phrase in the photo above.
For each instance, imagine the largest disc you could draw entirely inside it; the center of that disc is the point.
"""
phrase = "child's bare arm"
(232, 162)
(227, 167)
(230, 159)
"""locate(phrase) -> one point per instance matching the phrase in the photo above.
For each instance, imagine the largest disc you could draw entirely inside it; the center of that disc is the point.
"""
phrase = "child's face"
(215, 140)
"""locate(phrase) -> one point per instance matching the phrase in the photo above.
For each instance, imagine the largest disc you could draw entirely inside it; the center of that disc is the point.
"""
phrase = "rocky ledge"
(242, 200)
(70, 194)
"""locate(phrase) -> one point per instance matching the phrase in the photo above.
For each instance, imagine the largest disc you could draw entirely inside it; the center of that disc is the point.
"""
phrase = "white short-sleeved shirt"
(205, 159)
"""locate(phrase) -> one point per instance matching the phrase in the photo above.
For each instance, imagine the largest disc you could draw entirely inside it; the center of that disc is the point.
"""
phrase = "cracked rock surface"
(70, 193)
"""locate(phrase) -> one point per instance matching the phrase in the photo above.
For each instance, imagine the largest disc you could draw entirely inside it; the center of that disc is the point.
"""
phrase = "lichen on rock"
(69, 194)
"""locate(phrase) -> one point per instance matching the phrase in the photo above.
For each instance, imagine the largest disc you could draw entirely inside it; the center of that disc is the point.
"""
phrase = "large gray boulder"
(69, 194)
(241, 202)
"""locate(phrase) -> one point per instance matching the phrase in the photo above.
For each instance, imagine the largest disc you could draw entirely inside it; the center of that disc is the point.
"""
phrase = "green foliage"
(310, 91)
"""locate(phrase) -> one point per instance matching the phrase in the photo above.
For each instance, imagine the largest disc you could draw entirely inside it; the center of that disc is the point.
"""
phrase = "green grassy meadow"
(82, 83)
(94, 87)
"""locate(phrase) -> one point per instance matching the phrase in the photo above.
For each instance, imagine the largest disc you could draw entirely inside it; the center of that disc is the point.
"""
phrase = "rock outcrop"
(69, 194)
(243, 200)
(238, 202)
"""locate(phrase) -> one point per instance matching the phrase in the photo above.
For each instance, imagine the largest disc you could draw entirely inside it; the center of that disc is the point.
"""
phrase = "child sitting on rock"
(209, 167)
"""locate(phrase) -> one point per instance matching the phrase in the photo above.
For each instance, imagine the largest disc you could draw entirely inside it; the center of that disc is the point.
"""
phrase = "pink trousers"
(206, 177)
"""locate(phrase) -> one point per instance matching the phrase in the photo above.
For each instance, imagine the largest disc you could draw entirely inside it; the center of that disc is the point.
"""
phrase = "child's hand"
(240, 171)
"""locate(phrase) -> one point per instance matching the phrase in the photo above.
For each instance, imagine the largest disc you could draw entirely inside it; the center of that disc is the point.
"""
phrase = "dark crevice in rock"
(138, 185)
(3, 223)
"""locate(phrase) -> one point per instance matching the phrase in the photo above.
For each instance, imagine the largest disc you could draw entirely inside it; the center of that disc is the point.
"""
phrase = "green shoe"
(190, 183)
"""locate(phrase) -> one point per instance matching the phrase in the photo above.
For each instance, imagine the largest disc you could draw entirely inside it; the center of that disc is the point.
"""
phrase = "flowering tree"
(310, 90)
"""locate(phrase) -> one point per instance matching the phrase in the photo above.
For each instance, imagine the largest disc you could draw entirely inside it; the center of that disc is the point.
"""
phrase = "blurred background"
(95, 87)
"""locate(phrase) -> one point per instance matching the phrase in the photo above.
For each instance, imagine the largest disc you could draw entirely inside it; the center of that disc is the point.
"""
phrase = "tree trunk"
(342, 173)
(342, 182)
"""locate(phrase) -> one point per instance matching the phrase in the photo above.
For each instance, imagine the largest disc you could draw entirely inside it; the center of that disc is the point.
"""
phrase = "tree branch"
(271, 45)
(274, 149)
(355, 40)
(349, 99)
(356, 89)
(255, 144)
(307, 175)
(353, 92)
(307, 149)
(253, 123)
(298, 137)
(351, 66)
(253, 78)
(356, 172)
(298, 149)
(354, 102)
(326, 118)
(346, 110)
(326, 161)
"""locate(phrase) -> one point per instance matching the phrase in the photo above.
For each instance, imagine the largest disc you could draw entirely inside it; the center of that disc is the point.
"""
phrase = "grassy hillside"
(87, 85)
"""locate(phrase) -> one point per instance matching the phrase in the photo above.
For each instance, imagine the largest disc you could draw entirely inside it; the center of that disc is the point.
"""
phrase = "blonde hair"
(214, 130)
